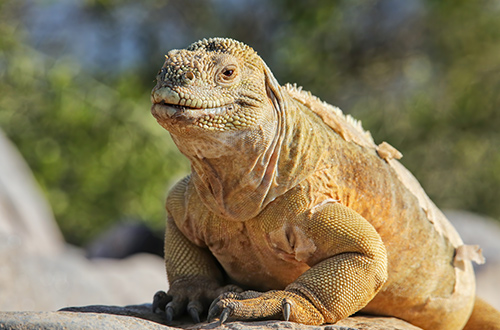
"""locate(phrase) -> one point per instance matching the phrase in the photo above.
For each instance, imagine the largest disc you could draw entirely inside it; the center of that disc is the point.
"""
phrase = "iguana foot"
(252, 305)
(190, 298)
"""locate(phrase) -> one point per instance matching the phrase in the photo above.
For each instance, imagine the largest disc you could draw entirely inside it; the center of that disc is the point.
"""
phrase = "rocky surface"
(125, 238)
(25, 215)
(38, 271)
(141, 317)
(30, 281)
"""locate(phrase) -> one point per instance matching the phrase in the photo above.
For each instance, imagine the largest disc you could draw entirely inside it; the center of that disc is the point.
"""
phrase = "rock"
(24, 213)
(73, 321)
(44, 283)
(376, 323)
(125, 238)
(141, 317)
(143, 311)
(38, 271)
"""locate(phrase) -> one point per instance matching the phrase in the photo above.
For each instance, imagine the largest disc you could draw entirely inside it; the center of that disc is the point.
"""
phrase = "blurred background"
(75, 79)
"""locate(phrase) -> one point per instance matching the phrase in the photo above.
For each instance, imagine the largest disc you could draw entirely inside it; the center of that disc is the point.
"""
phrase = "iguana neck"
(238, 176)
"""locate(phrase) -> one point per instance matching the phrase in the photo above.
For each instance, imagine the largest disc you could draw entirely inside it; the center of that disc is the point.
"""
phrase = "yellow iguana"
(291, 198)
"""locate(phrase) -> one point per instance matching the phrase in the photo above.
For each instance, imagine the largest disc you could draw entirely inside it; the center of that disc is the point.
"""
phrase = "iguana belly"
(252, 264)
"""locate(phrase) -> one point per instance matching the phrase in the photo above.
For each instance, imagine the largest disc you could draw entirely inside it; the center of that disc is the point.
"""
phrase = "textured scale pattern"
(188, 260)
(353, 272)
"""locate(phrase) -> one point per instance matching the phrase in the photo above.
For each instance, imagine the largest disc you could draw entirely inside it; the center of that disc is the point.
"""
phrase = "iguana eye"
(228, 73)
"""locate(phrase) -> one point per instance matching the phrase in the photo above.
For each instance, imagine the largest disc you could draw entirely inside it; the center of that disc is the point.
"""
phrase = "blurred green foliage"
(93, 146)
(422, 75)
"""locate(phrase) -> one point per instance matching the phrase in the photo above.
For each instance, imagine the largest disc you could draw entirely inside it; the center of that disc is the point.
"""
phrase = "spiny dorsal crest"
(345, 125)
(223, 45)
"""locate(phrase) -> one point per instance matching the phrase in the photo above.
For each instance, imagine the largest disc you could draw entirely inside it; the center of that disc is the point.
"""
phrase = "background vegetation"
(75, 78)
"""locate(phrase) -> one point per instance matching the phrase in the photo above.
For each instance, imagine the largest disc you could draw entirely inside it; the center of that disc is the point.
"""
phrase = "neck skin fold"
(237, 174)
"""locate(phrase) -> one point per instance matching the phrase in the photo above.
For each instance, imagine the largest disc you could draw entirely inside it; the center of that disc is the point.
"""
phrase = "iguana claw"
(224, 315)
(169, 314)
(213, 311)
(286, 309)
(195, 315)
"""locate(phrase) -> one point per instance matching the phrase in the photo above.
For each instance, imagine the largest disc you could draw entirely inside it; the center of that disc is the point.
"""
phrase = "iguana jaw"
(170, 110)
(174, 104)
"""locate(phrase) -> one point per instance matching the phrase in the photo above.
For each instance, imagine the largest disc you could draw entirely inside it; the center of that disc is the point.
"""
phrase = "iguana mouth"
(219, 113)
(176, 104)
(176, 110)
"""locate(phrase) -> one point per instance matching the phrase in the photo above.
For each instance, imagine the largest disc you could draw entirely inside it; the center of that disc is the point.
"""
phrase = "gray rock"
(38, 271)
(125, 238)
(73, 321)
(351, 323)
(143, 311)
(24, 213)
(141, 317)
(44, 283)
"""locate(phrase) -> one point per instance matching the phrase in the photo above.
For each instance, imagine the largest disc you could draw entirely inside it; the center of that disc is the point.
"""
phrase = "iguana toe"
(170, 305)
(160, 300)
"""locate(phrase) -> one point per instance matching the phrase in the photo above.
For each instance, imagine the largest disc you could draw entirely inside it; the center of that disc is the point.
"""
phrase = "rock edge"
(137, 317)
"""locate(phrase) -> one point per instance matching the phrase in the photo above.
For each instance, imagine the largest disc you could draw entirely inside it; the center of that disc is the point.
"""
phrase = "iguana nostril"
(189, 76)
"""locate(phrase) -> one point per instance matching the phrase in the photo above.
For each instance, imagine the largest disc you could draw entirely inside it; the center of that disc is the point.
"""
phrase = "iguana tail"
(484, 317)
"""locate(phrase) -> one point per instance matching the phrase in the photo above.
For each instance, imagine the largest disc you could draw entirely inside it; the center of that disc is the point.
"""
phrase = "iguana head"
(215, 85)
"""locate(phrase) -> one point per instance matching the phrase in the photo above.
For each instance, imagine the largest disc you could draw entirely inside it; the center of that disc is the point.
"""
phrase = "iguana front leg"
(195, 281)
(276, 304)
(349, 267)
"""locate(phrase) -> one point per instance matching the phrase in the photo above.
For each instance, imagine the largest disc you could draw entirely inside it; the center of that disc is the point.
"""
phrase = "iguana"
(291, 211)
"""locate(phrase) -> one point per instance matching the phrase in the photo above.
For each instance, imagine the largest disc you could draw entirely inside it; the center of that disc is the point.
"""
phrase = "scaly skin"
(290, 197)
